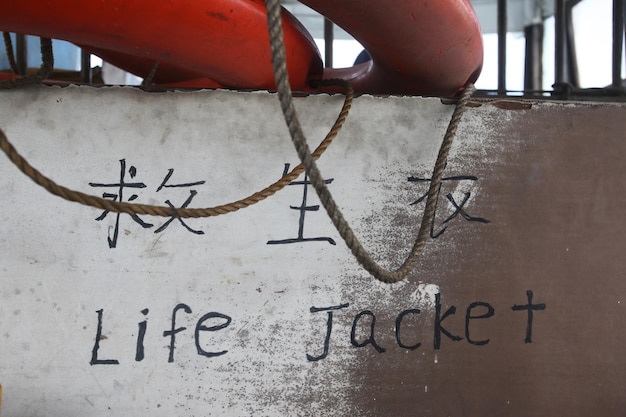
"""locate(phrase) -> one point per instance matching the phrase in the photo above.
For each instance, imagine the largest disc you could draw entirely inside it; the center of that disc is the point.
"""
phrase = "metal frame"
(567, 85)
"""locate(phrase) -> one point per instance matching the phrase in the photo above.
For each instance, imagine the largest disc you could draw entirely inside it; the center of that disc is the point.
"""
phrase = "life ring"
(418, 47)
(427, 47)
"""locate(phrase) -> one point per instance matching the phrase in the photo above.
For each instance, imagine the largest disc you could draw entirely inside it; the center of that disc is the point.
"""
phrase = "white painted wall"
(57, 269)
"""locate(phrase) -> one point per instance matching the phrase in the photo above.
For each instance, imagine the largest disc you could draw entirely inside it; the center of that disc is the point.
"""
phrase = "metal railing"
(566, 85)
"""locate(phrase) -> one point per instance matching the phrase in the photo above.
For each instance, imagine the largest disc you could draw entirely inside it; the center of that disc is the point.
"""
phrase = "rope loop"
(146, 209)
(314, 175)
(307, 158)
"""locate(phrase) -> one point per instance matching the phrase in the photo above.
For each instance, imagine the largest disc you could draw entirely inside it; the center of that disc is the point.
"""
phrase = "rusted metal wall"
(515, 309)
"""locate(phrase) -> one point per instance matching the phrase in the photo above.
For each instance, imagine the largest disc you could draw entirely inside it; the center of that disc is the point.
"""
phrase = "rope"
(8, 47)
(43, 72)
(300, 143)
(166, 211)
(148, 80)
(295, 130)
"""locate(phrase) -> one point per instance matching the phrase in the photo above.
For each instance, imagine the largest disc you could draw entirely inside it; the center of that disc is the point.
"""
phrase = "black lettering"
(172, 333)
(530, 307)
(439, 320)
(329, 327)
(398, 324)
(468, 317)
(94, 353)
(139, 352)
(200, 327)
(370, 340)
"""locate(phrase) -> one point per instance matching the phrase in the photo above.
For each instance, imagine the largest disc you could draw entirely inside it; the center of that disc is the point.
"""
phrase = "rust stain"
(512, 105)
(553, 190)
(501, 104)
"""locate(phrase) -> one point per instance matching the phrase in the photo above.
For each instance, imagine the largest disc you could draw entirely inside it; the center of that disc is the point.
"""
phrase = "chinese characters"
(121, 187)
(458, 192)
(303, 208)
(458, 207)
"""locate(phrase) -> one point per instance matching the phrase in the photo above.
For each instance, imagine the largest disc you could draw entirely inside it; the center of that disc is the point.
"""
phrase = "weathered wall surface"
(516, 308)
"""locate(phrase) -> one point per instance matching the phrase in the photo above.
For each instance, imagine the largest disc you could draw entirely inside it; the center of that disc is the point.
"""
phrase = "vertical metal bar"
(329, 38)
(571, 63)
(21, 55)
(533, 61)
(502, 29)
(85, 66)
(559, 42)
(618, 41)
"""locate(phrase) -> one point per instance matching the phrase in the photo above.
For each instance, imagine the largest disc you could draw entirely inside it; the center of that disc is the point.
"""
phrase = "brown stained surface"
(555, 193)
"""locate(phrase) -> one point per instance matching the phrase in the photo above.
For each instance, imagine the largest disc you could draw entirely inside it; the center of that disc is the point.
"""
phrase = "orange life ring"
(427, 47)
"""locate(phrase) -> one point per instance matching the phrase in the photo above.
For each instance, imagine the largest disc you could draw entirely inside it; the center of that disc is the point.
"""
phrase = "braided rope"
(47, 65)
(165, 211)
(132, 208)
(300, 143)
(8, 47)
(148, 80)
(302, 148)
